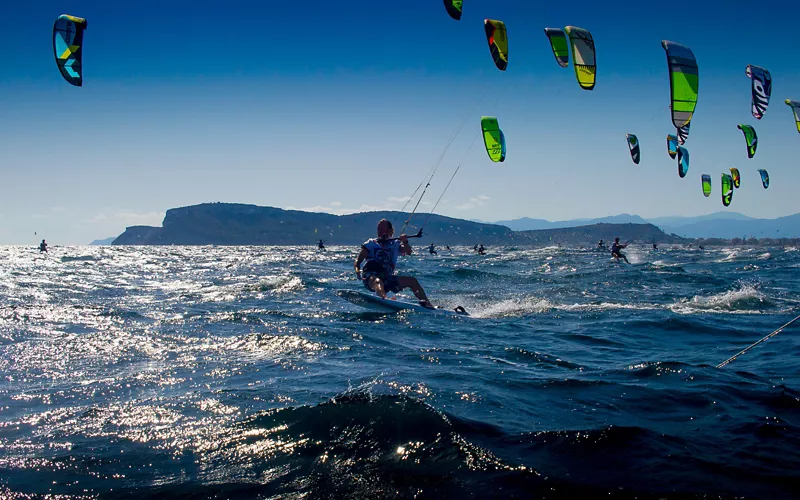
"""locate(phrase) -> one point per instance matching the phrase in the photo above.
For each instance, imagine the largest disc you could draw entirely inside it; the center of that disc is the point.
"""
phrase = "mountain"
(782, 227)
(106, 241)
(238, 224)
(528, 224)
(715, 225)
(673, 222)
(591, 234)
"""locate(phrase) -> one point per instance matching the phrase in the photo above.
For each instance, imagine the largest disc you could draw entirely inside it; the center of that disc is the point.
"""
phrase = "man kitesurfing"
(380, 256)
(616, 248)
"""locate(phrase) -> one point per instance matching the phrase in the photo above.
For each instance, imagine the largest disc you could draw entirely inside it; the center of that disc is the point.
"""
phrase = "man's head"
(385, 229)
(616, 240)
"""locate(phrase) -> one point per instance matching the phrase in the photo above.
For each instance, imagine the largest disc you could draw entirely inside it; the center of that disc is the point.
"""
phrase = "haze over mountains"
(715, 225)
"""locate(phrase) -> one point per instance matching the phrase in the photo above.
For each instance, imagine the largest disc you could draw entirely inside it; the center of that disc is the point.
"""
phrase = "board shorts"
(390, 282)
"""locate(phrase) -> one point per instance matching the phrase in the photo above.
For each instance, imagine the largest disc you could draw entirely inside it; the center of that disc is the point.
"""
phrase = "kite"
(683, 161)
(761, 89)
(672, 146)
(683, 134)
(454, 8)
(583, 56)
(737, 178)
(67, 44)
(751, 138)
(684, 81)
(558, 42)
(706, 185)
(795, 105)
(727, 190)
(633, 145)
(493, 138)
(498, 42)
(764, 177)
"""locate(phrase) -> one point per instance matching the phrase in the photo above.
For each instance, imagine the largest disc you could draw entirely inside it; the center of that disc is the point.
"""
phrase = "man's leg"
(376, 285)
(413, 284)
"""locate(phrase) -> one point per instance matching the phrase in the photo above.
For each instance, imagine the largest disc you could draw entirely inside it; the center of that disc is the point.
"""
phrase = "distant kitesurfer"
(615, 250)
(380, 254)
(43, 246)
(655, 247)
(481, 250)
(432, 249)
(321, 244)
(475, 248)
(448, 248)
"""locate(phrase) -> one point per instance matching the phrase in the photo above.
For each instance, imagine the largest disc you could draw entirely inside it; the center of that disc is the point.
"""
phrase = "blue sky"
(344, 106)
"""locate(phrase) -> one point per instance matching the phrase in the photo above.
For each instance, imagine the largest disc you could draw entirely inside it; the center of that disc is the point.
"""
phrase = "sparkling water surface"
(237, 372)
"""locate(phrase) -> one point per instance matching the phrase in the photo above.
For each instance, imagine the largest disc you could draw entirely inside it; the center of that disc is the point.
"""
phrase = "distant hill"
(528, 224)
(673, 222)
(106, 241)
(726, 225)
(238, 224)
(782, 227)
(591, 234)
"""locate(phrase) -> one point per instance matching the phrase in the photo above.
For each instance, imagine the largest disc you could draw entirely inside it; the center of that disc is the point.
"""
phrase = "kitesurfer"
(43, 246)
(432, 249)
(615, 250)
(380, 254)
(601, 245)
(321, 244)
(655, 247)
(481, 250)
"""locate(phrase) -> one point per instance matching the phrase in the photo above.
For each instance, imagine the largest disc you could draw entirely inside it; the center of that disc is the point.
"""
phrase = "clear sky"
(344, 106)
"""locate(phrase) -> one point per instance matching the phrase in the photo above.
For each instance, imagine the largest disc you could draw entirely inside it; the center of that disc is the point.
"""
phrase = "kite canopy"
(672, 146)
(683, 161)
(67, 44)
(764, 177)
(751, 138)
(454, 8)
(727, 189)
(737, 178)
(498, 42)
(684, 80)
(795, 105)
(583, 56)
(683, 134)
(706, 179)
(493, 139)
(761, 89)
(558, 42)
(633, 145)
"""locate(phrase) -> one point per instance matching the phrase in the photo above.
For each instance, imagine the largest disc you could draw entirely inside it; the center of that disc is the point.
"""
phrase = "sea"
(238, 372)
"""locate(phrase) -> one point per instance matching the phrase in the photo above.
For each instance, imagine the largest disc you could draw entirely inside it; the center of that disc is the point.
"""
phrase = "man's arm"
(361, 256)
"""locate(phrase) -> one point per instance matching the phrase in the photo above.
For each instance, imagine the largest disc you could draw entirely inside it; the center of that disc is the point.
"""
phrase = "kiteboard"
(375, 303)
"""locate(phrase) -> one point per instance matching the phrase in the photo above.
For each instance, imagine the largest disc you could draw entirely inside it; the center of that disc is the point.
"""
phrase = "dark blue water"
(239, 373)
